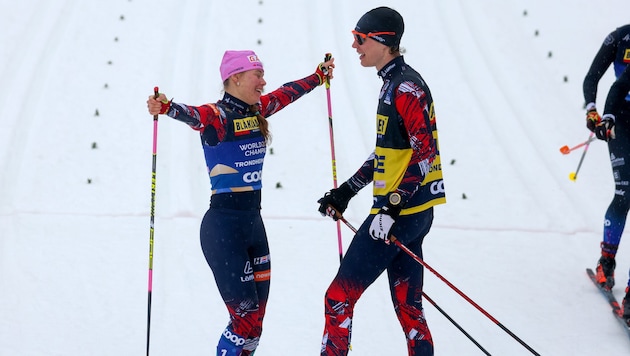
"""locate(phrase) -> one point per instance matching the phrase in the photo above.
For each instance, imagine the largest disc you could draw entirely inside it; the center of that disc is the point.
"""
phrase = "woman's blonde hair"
(263, 124)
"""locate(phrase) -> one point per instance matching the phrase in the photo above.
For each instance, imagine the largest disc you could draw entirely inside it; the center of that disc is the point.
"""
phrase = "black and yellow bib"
(393, 151)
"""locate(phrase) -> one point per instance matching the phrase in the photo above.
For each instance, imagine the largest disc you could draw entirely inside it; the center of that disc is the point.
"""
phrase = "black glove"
(592, 118)
(605, 130)
(336, 201)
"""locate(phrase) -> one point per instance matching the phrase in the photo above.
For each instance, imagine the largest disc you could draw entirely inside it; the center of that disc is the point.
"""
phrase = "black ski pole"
(455, 323)
(573, 175)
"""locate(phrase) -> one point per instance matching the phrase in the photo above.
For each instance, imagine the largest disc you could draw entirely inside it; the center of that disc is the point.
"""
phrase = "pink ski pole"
(327, 57)
(151, 224)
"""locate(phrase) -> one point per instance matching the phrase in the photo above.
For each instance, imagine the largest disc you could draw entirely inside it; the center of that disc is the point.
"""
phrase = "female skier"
(234, 136)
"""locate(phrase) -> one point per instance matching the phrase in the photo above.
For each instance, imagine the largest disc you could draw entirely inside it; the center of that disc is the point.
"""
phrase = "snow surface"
(75, 187)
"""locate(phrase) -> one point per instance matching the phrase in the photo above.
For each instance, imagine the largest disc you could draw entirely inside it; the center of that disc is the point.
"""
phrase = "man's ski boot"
(605, 272)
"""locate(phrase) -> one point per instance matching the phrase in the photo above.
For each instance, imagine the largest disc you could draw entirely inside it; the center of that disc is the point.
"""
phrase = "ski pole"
(419, 260)
(573, 175)
(424, 264)
(327, 57)
(431, 301)
(565, 150)
(455, 323)
(151, 224)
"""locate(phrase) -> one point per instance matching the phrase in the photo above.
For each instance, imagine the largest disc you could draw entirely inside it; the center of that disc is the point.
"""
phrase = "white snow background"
(515, 235)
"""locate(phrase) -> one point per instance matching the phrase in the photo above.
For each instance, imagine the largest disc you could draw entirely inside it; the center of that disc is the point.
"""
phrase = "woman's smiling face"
(248, 86)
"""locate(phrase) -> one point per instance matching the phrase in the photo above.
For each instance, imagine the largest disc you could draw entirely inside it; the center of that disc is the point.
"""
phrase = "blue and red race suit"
(232, 234)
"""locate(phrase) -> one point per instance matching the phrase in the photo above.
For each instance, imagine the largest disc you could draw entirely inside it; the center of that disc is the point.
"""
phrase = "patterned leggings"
(234, 243)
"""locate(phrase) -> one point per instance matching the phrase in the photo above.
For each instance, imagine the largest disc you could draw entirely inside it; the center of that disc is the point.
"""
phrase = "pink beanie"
(234, 62)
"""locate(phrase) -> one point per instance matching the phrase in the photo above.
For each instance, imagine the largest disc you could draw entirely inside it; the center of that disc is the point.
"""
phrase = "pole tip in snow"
(573, 176)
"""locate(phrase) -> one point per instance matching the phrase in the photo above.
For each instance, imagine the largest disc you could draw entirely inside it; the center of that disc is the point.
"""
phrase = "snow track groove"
(42, 34)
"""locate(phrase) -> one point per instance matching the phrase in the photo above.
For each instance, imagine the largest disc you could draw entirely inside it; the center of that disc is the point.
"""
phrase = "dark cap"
(382, 19)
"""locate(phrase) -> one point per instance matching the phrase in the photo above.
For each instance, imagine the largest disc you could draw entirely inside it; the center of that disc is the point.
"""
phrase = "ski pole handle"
(156, 94)
(327, 57)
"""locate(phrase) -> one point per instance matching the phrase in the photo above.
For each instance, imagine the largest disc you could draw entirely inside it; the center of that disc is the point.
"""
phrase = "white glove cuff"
(609, 117)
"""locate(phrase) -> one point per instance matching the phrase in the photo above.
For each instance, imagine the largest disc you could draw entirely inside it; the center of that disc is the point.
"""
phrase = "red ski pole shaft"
(566, 150)
(453, 287)
(448, 317)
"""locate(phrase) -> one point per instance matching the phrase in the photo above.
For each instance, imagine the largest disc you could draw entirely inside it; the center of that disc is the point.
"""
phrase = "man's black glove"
(605, 130)
(336, 201)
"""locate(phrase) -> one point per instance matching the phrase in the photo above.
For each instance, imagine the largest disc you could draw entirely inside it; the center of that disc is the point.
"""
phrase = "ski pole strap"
(327, 57)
